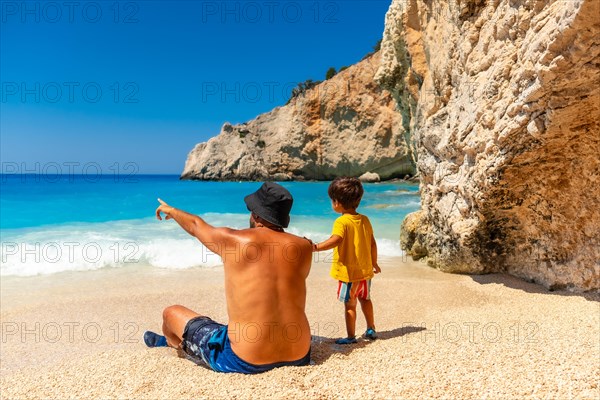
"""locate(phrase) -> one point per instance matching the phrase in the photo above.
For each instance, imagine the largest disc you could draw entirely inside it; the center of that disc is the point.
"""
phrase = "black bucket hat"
(272, 202)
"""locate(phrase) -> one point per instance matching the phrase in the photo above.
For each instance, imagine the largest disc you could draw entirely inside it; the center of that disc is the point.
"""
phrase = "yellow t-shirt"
(352, 257)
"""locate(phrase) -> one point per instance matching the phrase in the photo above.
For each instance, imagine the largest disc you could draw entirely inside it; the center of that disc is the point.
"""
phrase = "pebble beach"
(440, 336)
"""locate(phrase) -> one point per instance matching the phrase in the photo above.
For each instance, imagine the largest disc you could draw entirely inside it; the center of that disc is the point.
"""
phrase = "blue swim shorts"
(206, 343)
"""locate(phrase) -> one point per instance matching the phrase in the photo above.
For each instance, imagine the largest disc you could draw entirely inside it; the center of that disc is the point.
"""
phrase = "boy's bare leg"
(367, 309)
(350, 314)
(175, 318)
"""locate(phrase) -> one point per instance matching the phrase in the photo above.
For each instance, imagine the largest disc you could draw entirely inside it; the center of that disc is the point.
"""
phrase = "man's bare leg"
(175, 318)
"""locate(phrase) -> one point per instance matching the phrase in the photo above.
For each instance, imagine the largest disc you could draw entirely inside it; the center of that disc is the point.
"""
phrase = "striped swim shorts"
(354, 290)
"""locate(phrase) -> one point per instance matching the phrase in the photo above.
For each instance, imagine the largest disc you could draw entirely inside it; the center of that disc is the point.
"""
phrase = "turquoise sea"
(54, 223)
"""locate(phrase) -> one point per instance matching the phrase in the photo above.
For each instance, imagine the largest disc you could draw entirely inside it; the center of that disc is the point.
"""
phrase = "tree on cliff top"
(302, 88)
(330, 73)
(376, 48)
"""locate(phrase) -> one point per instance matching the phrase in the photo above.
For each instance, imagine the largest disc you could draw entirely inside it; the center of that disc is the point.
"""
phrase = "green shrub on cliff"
(302, 88)
(376, 48)
(330, 73)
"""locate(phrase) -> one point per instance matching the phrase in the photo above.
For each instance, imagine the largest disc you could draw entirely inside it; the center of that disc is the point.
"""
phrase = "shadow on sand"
(531, 287)
(322, 347)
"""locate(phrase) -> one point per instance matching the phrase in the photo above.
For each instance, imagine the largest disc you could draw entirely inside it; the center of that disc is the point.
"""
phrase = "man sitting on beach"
(265, 288)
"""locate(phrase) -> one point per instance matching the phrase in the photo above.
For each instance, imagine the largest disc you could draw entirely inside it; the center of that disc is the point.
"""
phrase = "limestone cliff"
(502, 99)
(347, 125)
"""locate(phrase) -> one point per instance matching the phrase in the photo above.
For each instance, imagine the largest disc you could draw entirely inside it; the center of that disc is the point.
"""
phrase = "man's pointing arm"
(212, 237)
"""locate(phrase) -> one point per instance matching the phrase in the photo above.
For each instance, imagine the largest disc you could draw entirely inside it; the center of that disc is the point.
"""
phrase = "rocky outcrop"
(347, 125)
(369, 177)
(502, 98)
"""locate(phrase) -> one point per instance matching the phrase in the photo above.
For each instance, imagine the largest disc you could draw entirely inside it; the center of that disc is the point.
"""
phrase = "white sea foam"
(118, 244)
(389, 248)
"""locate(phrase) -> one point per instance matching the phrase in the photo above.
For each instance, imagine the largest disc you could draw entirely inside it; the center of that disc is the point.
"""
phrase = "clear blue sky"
(107, 82)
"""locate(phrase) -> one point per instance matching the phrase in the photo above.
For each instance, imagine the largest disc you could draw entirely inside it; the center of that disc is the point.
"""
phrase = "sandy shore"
(441, 336)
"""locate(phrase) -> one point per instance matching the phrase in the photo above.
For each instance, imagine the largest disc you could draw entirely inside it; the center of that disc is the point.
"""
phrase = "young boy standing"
(354, 255)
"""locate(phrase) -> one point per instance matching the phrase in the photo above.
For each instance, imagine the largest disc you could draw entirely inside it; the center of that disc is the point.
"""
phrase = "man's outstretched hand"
(165, 208)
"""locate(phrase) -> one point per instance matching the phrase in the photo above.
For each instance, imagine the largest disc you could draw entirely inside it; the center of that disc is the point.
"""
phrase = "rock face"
(502, 98)
(347, 125)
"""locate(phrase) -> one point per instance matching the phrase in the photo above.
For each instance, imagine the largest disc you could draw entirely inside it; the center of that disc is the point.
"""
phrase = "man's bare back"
(266, 293)
(265, 288)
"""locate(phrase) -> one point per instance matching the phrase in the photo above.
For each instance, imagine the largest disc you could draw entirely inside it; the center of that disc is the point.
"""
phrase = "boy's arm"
(330, 243)
(376, 268)
(212, 237)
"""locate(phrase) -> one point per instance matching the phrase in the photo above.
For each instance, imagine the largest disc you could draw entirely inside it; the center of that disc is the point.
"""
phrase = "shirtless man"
(265, 288)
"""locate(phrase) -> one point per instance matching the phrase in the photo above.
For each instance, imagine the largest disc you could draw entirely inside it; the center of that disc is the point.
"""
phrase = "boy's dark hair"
(346, 191)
